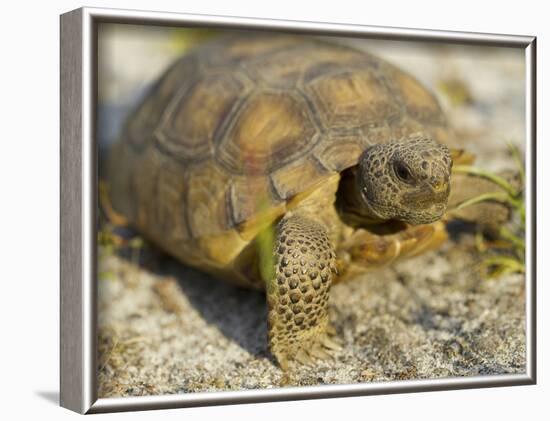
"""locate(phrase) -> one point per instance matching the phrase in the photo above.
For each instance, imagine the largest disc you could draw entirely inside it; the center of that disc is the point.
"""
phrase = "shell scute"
(146, 118)
(352, 98)
(206, 200)
(272, 128)
(189, 126)
(420, 104)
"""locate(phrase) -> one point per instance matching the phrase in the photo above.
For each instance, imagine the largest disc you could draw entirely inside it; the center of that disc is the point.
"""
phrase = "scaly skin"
(298, 296)
(406, 180)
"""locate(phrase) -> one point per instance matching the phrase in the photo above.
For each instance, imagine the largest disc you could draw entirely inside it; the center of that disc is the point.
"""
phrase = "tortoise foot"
(298, 296)
(307, 349)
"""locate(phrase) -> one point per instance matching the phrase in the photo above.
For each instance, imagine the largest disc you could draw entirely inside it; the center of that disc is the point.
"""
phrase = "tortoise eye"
(402, 172)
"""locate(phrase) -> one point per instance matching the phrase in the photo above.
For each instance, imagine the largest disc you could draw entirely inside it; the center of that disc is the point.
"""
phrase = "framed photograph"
(259, 210)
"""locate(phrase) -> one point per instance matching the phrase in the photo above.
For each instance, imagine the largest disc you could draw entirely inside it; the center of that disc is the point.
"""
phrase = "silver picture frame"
(78, 195)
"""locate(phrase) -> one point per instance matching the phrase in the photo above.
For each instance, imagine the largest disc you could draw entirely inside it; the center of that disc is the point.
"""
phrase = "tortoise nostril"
(438, 207)
(438, 183)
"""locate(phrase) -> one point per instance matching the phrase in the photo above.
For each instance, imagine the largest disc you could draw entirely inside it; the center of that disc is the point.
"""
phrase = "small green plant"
(110, 243)
(509, 255)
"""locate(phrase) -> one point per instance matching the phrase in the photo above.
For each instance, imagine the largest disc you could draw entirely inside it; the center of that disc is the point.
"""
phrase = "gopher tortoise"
(287, 164)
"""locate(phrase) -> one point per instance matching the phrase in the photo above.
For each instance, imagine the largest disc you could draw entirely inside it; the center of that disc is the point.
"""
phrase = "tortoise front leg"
(298, 295)
(365, 250)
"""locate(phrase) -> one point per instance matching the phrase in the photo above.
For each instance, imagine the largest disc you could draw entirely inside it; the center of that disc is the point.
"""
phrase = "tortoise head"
(406, 180)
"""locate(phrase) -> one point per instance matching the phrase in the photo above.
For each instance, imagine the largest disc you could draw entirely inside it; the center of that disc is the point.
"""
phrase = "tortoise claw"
(318, 352)
(303, 358)
(331, 344)
(330, 330)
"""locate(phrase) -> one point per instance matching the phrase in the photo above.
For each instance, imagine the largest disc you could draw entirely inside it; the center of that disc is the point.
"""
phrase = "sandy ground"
(165, 328)
(178, 331)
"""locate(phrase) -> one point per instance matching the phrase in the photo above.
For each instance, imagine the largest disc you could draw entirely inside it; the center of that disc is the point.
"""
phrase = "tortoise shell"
(235, 131)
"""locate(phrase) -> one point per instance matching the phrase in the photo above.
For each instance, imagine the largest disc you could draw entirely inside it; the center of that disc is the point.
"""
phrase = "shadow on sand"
(239, 313)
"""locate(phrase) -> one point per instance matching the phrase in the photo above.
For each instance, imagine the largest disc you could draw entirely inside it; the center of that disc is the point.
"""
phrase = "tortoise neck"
(349, 203)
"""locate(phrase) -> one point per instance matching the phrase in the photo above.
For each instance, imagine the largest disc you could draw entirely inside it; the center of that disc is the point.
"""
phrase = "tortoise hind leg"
(298, 295)
(489, 215)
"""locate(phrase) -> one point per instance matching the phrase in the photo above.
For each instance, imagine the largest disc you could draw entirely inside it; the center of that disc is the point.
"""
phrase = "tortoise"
(288, 164)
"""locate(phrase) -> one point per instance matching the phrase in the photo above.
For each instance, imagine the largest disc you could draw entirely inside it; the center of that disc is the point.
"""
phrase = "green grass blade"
(514, 150)
(507, 264)
(486, 197)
